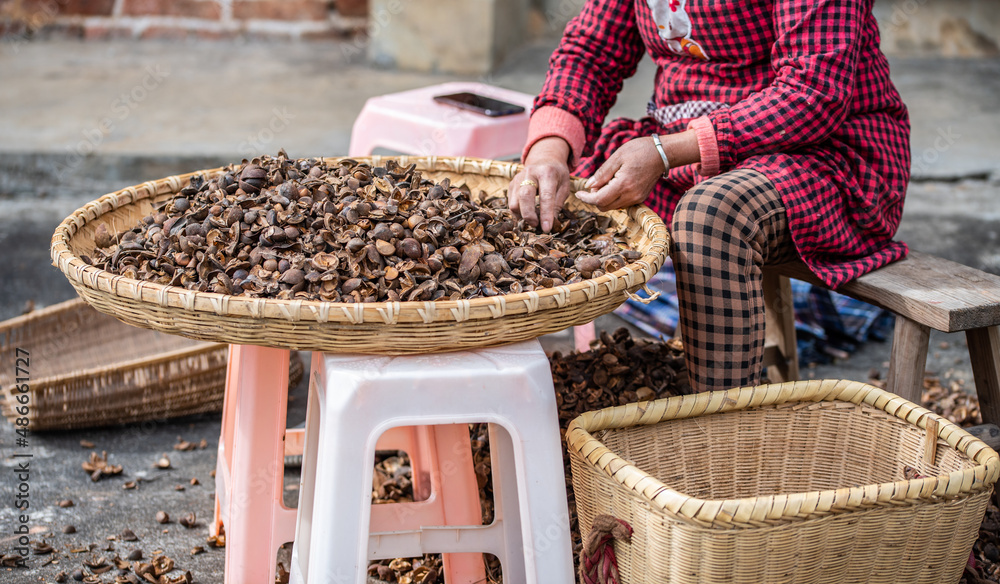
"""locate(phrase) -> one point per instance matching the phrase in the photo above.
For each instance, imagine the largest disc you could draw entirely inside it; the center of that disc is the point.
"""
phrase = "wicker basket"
(86, 369)
(383, 327)
(794, 483)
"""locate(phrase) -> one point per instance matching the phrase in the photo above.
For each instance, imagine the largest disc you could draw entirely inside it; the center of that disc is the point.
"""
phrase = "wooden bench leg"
(984, 351)
(908, 359)
(780, 348)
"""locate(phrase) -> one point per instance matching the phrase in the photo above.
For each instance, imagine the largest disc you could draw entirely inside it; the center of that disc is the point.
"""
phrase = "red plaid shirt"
(810, 105)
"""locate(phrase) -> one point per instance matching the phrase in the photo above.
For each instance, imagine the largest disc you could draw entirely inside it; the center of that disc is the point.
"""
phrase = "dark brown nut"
(102, 237)
(190, 521)
(494, 264)
(252, 179)
(127, 535)
(549, 264)
(293, 277)
(234, 215)
(351, 285)
(412, 248)
(451, 255)
(381, 232)
(587, 264)
(355, 245)
(468, 269)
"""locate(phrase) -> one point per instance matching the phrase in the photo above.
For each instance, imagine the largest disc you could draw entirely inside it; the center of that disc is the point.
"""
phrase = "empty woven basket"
(88, 369)
(805, 482)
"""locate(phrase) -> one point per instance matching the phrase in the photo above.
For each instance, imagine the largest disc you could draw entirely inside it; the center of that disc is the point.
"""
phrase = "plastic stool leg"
(335, 498)
(460, 498)
(343, 506)
(258, 524)
(416, 442)
(582, 335)
(506, 505)
(223, 463)
(544, 511)
(534, 436)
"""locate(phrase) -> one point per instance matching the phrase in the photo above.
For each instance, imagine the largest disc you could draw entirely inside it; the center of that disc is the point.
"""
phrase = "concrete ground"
(78, 120)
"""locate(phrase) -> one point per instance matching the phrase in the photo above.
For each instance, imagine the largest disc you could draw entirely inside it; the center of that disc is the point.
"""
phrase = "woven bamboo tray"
(798, 482)
(383, 327)
(87, 369)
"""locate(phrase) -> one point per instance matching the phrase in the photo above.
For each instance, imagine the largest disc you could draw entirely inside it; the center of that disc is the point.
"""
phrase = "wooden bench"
(924, 292)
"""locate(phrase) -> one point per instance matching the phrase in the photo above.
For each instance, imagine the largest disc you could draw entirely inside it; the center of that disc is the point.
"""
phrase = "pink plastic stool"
(411, 122)
(249, 480)
(582, 335)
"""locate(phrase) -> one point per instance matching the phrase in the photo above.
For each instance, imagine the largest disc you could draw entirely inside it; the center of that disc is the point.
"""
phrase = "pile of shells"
(618, 370)
(287, 228)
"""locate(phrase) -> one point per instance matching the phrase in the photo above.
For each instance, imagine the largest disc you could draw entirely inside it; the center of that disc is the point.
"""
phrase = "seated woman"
(774, 132)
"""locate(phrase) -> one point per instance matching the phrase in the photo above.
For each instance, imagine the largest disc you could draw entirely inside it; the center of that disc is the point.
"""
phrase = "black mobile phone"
(479, 104)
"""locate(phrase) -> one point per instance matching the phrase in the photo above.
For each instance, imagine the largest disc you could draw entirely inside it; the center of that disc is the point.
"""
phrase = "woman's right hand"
(538, 192)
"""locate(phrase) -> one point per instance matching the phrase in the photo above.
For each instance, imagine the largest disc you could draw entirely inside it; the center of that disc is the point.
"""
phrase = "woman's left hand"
(626, 178)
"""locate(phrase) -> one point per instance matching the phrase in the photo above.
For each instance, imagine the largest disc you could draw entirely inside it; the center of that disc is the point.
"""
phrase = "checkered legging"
(724, 230)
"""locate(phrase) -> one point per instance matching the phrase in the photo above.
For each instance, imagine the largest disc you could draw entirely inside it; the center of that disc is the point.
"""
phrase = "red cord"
(598, 564)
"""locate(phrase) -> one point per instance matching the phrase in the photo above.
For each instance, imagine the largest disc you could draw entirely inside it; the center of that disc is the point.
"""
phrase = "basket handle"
(598, 564)
(652, 295)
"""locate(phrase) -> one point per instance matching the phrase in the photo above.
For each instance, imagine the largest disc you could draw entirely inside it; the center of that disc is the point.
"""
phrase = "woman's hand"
(545, 175)
(626, 178)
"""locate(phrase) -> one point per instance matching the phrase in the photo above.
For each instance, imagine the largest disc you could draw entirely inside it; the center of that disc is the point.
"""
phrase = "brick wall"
(208, 19)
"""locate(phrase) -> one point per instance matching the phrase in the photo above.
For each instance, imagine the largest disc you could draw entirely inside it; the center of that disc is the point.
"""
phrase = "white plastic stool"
(357, 397)
(250, 472)
(411, 122)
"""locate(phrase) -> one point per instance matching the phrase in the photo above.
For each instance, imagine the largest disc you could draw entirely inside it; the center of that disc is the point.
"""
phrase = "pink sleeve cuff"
(549, 121)
(708, 146)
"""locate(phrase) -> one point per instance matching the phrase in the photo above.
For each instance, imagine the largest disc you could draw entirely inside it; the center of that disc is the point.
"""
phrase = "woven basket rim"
(753, 511)
(193, 348)
(628, 278)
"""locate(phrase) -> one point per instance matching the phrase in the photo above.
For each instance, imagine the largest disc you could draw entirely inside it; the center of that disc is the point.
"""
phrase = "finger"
(553, 190)
(605, 173)
(603, 196)
(519, 194)
(513, 202)
(619, 202)
(526, 204)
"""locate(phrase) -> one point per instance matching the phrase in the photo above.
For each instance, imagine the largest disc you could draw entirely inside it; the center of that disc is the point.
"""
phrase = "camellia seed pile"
(285, 228)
